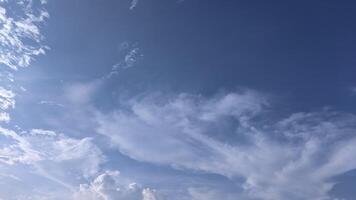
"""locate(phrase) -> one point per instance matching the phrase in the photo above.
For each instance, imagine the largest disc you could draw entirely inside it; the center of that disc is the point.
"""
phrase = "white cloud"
(4, 117)
(11, 177)
(51, 103)
(210, 194)
(106, 187)
(149, 194)
(20, 43)
(291, 159)
(132, 54)
(133, 4)
(15, 30)
(41, 132)
(49, 151)
(179, 124)
(6, 99)
(131, 58)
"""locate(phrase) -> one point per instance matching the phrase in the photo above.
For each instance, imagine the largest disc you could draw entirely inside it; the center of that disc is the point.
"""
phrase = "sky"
(177, 100)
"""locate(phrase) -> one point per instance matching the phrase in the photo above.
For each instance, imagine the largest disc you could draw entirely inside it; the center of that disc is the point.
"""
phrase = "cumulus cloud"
(293, 158)
(106, 187)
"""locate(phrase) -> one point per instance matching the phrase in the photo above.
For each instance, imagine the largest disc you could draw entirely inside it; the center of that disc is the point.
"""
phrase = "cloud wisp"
(131, 55)
(133, 4)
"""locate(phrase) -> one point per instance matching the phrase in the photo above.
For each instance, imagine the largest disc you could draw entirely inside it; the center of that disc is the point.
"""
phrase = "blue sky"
(177, 100)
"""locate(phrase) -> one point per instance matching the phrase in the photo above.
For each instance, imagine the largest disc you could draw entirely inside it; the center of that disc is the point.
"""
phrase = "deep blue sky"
(194, 99)
(302, 50)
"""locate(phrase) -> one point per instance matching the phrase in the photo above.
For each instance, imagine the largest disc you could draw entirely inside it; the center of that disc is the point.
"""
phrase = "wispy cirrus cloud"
(291, 158)
(51, 103)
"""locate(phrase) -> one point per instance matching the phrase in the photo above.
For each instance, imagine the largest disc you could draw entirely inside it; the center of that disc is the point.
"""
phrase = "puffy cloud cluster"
(106, 187)
(229, 135)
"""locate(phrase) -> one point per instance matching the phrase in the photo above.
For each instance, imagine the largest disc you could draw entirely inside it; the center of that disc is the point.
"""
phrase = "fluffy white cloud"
(293, 158)
(107, 187)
